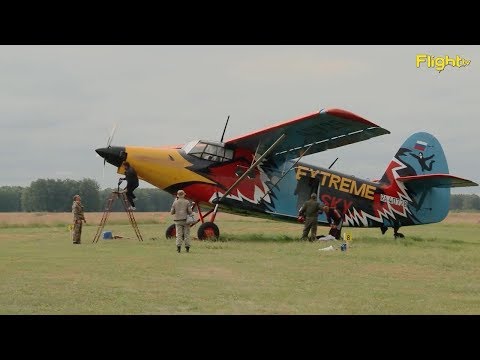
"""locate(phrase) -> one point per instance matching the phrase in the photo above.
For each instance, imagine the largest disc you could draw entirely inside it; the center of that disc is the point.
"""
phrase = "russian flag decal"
(420, 145)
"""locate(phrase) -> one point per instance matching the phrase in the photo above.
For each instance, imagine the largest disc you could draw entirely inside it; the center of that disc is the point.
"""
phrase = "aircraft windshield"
(208, 151)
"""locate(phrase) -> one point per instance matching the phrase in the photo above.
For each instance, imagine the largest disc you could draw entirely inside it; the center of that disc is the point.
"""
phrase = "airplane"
(261, 174)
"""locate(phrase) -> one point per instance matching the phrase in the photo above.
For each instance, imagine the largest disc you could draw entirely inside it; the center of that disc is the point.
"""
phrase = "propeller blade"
(110, 138)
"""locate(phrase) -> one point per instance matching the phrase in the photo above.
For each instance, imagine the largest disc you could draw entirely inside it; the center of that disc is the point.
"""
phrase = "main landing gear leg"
(208, 230)
(396, 234)
(384, 229)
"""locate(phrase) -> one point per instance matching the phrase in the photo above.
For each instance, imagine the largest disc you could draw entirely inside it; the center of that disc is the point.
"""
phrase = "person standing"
(310, 210)
(78, 217)
(132, 183)
(180, 209)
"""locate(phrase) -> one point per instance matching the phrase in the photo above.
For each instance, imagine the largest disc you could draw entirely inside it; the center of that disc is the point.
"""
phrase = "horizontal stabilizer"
(436, 180)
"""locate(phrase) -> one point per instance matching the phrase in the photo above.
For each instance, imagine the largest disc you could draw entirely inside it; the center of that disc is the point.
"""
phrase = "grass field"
(257, 267)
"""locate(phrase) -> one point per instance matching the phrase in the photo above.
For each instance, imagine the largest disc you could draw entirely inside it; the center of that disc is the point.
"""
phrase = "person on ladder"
(132, 183)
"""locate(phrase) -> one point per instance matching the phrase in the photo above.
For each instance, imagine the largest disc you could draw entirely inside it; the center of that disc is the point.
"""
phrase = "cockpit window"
(208, 151)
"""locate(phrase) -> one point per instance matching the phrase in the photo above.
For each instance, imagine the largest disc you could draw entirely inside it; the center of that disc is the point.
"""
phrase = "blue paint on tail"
(421, 154)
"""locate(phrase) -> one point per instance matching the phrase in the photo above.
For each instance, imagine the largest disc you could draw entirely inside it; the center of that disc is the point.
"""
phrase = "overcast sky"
(59, 103)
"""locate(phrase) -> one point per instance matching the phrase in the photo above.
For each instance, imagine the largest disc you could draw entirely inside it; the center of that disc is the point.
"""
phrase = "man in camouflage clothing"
(181, 208)
(310, 211)
(78, 217)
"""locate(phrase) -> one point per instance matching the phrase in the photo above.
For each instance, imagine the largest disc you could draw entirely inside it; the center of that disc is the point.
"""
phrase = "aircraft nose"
(114, 155)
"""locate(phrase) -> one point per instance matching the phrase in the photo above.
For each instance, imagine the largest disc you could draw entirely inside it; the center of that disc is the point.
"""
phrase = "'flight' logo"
(440, 62)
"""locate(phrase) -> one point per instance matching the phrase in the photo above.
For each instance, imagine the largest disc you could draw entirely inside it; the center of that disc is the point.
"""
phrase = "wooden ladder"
(126, 205)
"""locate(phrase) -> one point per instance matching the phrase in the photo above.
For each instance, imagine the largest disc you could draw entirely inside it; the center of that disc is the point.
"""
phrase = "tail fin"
(419, 174)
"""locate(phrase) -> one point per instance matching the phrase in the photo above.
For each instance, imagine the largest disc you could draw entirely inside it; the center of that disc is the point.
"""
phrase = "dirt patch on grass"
(212, 272)
(462, 218)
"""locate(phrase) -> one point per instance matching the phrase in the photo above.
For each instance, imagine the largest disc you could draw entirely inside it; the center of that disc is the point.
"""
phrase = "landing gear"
(396, 234)
(171, 232)
(208, 231)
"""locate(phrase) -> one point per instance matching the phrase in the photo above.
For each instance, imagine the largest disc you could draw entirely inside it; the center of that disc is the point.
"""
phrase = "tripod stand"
(123, 197)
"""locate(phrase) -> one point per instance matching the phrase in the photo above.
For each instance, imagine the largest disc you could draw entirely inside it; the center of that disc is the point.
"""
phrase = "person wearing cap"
(132, 183)
(310, 210)
(78, 217)
(180, 209)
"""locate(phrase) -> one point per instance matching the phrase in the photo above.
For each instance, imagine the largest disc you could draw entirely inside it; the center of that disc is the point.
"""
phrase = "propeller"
(109, 142)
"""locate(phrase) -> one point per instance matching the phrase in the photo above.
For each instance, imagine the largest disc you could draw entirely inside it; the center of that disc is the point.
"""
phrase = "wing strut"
(285, 173)
(229, 190)
(256, 152)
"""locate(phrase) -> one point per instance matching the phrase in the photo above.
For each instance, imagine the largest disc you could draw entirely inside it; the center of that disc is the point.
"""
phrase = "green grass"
(255, 268)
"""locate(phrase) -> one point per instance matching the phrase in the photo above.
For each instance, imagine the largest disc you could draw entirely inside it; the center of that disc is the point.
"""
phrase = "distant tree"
(27, 199)
(57, 195)
(11, 198)
(146, 200)
(153, 200)
(38, 195)
(89, 189)
(471, 202)
(66, 190)
(456, 202)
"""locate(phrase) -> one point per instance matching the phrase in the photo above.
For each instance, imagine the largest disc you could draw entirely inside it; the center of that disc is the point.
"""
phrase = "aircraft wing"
(436, 180)
(323, 130)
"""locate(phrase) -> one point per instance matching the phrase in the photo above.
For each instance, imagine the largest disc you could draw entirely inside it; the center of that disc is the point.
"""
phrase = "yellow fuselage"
(161, 166)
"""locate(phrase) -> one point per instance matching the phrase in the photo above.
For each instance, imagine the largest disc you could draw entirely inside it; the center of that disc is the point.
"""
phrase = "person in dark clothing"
(132, 183)
(334, 218)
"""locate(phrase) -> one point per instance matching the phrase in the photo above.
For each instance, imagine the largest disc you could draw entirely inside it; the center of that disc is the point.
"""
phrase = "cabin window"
(208, 151)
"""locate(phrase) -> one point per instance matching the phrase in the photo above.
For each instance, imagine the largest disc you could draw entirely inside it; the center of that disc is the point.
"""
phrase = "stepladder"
(118, 194)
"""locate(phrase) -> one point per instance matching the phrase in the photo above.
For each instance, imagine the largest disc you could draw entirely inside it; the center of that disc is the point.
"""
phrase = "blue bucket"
(107, 235)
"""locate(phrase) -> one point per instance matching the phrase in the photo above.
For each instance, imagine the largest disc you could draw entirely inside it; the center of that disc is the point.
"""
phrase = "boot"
(178, 248)
(187, 248)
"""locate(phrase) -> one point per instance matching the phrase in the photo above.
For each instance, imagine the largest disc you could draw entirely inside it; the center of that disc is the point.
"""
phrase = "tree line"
(49, 195)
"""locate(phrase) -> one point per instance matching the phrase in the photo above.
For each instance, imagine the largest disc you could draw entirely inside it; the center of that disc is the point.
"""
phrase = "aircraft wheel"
(171, 232)
(208, 231)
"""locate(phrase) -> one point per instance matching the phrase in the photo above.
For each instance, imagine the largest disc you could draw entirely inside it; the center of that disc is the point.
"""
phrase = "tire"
(208, 231)
(171, 232)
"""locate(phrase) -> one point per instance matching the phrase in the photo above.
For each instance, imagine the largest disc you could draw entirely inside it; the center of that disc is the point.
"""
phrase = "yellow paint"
(334, 180)
(345, 184)
(337, 182)
(347, 236)
(155, 166)
(440, 62)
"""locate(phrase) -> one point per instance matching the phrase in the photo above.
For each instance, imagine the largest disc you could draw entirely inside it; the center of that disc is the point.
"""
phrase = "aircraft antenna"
(225, 128)
(333, 163)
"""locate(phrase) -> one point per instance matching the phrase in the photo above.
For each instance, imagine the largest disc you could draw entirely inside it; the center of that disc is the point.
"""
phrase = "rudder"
(420, 154)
